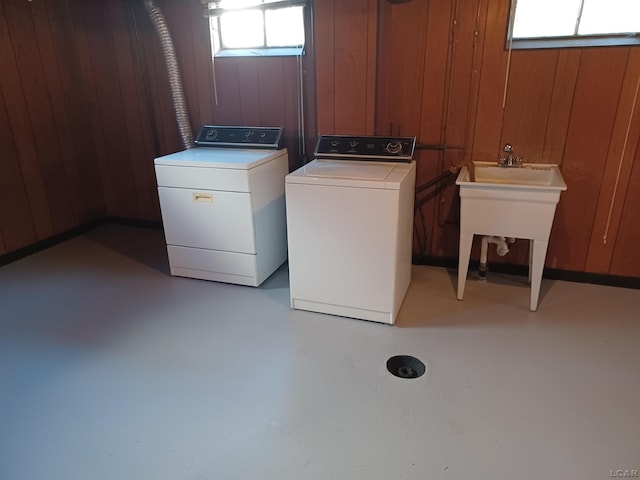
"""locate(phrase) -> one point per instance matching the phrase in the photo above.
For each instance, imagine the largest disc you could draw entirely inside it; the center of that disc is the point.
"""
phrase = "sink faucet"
(511, 160)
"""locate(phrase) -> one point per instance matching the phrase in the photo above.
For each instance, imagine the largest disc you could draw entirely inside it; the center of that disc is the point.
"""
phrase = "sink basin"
(530, 174)
(509, 202)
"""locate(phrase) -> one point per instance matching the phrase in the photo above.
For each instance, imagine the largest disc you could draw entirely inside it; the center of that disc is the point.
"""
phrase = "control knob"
(394, 147)
(211, 134)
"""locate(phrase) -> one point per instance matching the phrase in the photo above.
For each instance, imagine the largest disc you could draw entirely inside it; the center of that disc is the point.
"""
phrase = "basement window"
(257, 27)
(573, 23)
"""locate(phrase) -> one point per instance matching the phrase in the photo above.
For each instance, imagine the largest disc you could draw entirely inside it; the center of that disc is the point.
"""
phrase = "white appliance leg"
(537, 265)
(530, 258)
(466, 239)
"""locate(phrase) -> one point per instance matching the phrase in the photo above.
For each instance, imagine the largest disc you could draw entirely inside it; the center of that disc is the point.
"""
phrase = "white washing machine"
(223, 207)
(350, 224)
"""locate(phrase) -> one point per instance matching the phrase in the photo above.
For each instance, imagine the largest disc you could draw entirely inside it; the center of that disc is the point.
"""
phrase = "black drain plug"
(405, 366)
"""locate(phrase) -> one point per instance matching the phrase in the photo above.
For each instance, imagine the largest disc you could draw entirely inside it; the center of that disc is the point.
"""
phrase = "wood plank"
(144, 103)
(278, 104)
(155, 68)
(249, 89)
(86, 82)
(424, 231)
(41, 118)
(202, 56)
(372, 53)
(531, 82)
(450, 86)
(626, 261)
(488, 121)
(463, 82)
(385, 52)
(617, 173)
(482, 14)
(61, 134)
(350, 74)
(177, 14)
(462, 75)
(227, 80)
(16, 222)
(564, 85)
(324, 31)
(408, 40)
(271, 91)
(109, 98)
(140, 36)
(432, 124)
(436, 68)
(293, 132)
(308, 86)
(84, 157)
(591, 126)
(21, 130)
(140, 163)
(449, 204)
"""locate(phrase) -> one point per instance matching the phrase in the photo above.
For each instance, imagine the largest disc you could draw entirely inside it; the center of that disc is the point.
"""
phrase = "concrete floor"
(112, 369)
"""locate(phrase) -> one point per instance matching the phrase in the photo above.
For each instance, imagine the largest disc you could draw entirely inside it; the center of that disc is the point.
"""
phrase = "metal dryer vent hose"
(177, 93)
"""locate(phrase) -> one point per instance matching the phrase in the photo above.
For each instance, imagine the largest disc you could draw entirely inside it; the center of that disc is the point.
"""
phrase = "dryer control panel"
(240, 137)
(392, 149)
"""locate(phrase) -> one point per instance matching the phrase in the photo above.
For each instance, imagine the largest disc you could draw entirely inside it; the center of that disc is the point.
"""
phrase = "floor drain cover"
(405, 366)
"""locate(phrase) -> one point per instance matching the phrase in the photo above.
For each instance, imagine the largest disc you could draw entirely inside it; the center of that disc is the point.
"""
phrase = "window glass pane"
(546, 18)
(610, 16)
(285, 27)
(215, 36)
(243, 29)
(238, 3)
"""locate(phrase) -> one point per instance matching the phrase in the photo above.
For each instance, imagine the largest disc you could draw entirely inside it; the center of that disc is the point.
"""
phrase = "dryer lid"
(220, 158)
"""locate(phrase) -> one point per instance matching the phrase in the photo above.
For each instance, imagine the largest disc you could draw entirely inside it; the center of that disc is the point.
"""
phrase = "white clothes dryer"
(350, 226)
(223, 207)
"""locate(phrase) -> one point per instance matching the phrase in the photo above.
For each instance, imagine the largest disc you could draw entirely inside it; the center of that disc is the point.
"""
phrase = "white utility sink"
(547, 176)
(518, 202)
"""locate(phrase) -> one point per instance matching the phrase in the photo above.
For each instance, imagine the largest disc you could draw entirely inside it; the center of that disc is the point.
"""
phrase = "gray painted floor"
(112, 369)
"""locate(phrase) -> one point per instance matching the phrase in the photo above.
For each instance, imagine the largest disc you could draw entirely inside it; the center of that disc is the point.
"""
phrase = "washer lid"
(360, 174)
(219, 158)
(352, 170)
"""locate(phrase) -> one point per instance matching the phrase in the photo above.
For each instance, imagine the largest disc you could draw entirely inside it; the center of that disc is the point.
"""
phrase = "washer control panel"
(240, 137)
(393, 149)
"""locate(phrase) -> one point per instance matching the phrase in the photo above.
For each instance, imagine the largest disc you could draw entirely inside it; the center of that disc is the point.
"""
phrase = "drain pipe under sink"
(501, 249)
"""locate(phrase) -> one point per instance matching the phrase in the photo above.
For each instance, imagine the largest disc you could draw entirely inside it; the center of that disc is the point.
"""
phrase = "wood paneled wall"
(85, 107)
(345, 39)
(442, 70)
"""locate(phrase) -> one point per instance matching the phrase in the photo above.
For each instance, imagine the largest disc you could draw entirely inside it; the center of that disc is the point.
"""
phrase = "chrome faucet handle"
(517, 161)
(507, 148)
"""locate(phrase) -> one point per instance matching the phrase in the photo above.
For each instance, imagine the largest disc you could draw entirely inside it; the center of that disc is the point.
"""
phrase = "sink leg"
(530, 258)
(466, 239)
(537, 265)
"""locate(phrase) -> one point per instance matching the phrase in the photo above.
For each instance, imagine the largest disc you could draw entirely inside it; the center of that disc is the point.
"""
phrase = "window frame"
(220, 50)
(568, 41)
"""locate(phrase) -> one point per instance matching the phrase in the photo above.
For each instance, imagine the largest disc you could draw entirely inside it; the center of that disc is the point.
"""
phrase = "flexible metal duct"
(177, 94)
